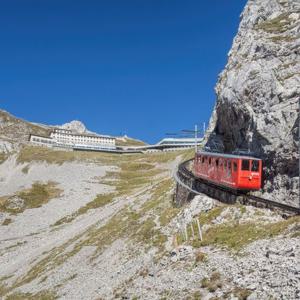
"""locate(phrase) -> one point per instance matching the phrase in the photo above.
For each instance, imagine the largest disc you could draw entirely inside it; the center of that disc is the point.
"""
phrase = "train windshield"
(255, 165)
(245, 165)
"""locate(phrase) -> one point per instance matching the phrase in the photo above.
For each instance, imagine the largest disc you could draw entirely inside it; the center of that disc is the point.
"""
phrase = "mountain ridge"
(15, 131)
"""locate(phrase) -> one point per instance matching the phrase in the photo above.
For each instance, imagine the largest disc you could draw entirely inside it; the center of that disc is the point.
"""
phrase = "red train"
(231, 171)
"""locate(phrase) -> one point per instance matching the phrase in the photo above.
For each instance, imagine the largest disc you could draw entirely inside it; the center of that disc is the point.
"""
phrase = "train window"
(225, 164)
(254, 165)
(202, 159)
(245, 165)
(217, 162)
(209, 161)
(229, 165)
(234, 167)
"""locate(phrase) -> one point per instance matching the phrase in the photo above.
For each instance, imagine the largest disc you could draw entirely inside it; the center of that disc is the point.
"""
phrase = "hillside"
(15, 131)
(93, 225)
(127, 142)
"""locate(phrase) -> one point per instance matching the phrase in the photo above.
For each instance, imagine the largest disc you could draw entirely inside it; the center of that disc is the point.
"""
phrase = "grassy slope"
(140, 222)
(129, 142)
(235, 235)
(36, 196)
(17, 129)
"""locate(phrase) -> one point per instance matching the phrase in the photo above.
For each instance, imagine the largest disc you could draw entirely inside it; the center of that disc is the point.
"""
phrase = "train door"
(244, 173)
(255, 174)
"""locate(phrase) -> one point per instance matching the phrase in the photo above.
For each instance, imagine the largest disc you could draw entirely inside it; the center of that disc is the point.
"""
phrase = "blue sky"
(142, 68)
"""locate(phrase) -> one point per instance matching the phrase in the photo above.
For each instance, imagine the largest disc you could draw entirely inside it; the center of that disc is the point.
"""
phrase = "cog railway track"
(186, 178)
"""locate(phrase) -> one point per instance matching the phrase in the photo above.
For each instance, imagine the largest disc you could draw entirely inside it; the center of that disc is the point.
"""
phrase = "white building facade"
(41, 140)
(67, 139)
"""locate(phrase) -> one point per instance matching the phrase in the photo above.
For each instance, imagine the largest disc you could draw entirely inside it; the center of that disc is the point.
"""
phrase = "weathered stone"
(258, 93)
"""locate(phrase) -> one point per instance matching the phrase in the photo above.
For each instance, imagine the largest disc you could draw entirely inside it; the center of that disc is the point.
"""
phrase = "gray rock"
(15, 203)
(258, 92)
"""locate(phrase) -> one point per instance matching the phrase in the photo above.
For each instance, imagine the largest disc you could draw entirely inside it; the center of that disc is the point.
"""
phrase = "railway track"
(188, 180)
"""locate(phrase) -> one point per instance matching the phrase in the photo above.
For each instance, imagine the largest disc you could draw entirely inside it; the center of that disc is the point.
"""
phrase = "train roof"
(227, 155)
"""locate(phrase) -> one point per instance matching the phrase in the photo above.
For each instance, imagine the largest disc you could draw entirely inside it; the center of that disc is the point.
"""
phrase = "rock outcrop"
(257, 105)
(76, 126)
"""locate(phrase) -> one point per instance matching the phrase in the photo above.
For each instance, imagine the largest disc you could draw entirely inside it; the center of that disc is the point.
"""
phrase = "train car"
(231, 171)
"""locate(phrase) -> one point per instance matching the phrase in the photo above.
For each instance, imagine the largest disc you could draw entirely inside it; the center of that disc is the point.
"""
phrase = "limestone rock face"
(257, 105)
(75, 126)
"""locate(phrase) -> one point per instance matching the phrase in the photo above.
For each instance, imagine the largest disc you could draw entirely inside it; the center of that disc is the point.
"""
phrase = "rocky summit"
(75, 126)
(257, 105)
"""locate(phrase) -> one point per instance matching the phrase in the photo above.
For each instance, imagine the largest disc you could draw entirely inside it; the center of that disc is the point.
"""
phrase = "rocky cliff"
(257, 105)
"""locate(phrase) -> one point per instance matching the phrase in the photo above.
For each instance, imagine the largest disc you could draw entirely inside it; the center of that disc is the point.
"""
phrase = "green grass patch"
(212, 283)
(279, 24)
(209, 216)
(35, 153)
(237, 236)
(240, 293)
(164, 157)
(200, 257)
(25, 170)
(282, 38)
(3, 157)
(36, 196)
(129, 142)
(7, 221)
(195, 296)
(43, 295)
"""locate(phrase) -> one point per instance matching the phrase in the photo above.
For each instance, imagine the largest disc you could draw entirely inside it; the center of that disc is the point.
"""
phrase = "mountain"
(15, 131)
(75, 125)
(258, 92)
(90, 225)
